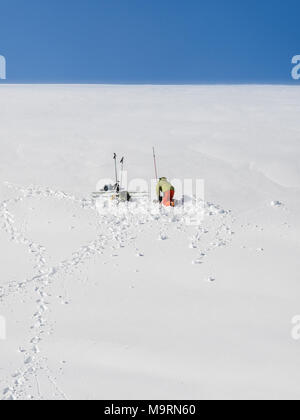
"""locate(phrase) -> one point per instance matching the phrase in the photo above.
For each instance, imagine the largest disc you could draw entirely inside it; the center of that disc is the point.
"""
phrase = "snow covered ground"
(101, 306)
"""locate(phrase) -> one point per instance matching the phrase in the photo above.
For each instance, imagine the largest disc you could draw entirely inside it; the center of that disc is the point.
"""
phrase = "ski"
(110, 194)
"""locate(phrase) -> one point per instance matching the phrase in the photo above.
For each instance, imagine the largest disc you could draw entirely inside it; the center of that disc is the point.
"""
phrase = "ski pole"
(116, 171)
(122, 169)
(155, 164)
(117, 186)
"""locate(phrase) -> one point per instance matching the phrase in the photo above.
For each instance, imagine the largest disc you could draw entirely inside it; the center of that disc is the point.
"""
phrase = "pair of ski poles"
(118, 183)
(122, 168)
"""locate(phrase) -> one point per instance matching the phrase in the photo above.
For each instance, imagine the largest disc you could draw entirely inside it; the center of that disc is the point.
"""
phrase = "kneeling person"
(167, 190)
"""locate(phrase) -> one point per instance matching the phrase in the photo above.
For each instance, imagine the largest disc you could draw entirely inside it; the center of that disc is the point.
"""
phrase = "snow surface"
(145, 307)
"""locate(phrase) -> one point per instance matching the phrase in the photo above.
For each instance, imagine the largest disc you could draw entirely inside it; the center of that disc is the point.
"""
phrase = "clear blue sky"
(149, 41)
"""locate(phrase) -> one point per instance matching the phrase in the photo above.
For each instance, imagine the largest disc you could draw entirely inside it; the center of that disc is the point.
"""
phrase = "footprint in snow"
(28, 360)
(20, 381)
(276, 203)
(36, 350)
(7, 391)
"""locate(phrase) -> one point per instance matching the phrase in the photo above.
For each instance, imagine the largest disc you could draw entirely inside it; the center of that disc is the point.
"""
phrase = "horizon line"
(291, 83)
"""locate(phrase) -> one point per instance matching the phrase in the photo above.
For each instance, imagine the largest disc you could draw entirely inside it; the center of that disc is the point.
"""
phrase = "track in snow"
(115, 231)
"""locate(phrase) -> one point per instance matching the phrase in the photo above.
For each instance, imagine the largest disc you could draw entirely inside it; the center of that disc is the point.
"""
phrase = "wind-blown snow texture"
(120, 306)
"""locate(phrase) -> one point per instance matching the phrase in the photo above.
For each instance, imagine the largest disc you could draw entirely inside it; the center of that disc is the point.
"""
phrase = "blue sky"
(149, 41)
